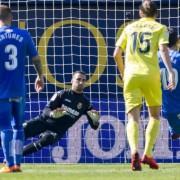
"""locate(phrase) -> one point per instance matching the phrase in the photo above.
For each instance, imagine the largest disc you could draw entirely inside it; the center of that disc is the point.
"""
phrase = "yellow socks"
(152, 131)
(132, 135)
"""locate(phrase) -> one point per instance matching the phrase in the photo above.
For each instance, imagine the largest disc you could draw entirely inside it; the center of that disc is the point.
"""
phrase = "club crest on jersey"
(79, 105)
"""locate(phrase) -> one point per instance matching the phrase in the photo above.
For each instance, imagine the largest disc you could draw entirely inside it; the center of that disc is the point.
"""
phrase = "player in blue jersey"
(171, 99)
(15, 45)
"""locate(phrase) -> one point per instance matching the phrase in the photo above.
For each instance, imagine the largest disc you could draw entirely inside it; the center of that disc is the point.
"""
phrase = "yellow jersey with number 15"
(140, 41)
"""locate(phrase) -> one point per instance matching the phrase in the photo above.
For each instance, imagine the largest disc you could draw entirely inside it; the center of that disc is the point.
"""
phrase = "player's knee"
(155, 117)
(18, 127)
(26, 128)
(48, 138)
(5, 126)
(154, 112)
(25, 124)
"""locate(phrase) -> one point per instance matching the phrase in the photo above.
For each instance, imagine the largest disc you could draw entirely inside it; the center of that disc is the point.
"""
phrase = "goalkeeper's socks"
(7, 146)
(152, 131)
(18, 137)
(31, 148)
(132, 135)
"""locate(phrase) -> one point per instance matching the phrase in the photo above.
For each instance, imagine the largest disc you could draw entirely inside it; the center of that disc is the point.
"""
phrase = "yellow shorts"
(138, 86)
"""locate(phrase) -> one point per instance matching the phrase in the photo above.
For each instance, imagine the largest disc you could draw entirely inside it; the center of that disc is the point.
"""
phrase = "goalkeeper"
(62, 111)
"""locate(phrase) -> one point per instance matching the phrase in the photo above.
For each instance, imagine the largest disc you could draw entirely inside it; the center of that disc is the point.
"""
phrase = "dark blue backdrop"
(73, 46)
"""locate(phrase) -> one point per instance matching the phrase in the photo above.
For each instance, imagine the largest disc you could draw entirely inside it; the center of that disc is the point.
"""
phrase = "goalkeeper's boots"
(135, 162)
(150, 161)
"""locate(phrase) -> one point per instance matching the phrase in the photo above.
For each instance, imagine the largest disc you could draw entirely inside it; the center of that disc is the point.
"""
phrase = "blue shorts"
(174, 122)
(11, 113)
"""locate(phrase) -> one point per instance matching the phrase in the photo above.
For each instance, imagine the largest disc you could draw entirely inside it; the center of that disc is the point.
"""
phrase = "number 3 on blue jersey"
(11, 64)
(164, 78)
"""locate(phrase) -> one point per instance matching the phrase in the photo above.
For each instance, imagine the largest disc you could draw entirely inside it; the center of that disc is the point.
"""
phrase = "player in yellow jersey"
(140, 41)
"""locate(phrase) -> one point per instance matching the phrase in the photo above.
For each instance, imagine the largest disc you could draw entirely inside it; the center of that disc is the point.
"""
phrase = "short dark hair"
(79, 72)
(148, 8)
(173, 38)
(5, 12)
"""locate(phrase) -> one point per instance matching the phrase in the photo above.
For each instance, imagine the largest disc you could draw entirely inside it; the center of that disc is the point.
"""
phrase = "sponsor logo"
(79, 105)
(70, 110)
(68, 100)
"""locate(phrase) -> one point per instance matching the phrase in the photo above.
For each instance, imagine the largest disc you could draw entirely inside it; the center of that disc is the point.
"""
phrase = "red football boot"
(135, 162)
(150, 161)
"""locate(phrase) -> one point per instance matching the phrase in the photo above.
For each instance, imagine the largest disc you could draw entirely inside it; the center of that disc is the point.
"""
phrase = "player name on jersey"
(11, 35)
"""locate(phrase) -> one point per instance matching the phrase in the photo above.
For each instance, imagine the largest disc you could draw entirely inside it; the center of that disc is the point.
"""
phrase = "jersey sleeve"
(164, 36)
(55, 102)
(31, 49)
(89, 106)
(122, 41)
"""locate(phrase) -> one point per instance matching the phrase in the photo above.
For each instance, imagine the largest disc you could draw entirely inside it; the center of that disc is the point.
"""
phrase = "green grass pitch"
(92, 172)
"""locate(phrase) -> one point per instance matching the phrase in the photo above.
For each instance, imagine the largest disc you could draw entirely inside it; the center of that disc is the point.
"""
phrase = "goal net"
(80, 35)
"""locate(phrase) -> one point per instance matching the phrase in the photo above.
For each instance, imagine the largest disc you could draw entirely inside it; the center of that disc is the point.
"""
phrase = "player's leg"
(152, 129)
(18, 132)
(152, 132)
(153, 96)
(46, 138)
(6, 134)
(174, 124)
(133, 128)
(133, 100)
(132, 135)
(34, 127)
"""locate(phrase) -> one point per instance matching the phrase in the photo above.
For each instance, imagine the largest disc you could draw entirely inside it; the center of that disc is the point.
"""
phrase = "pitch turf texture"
(92, 172)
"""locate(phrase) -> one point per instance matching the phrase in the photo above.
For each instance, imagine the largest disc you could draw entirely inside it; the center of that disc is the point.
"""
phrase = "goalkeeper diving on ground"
(61, 112)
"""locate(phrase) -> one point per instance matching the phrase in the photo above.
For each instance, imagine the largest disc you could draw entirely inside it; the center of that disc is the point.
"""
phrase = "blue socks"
(18, 138)
(7, 146)
(12, 145)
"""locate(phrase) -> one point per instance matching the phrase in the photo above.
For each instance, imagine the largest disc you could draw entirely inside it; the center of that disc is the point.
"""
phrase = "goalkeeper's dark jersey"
(75, 105)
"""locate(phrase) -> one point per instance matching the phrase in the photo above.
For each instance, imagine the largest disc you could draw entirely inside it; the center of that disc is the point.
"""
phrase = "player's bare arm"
(119, 60)
(39, 82)
(166, 59)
